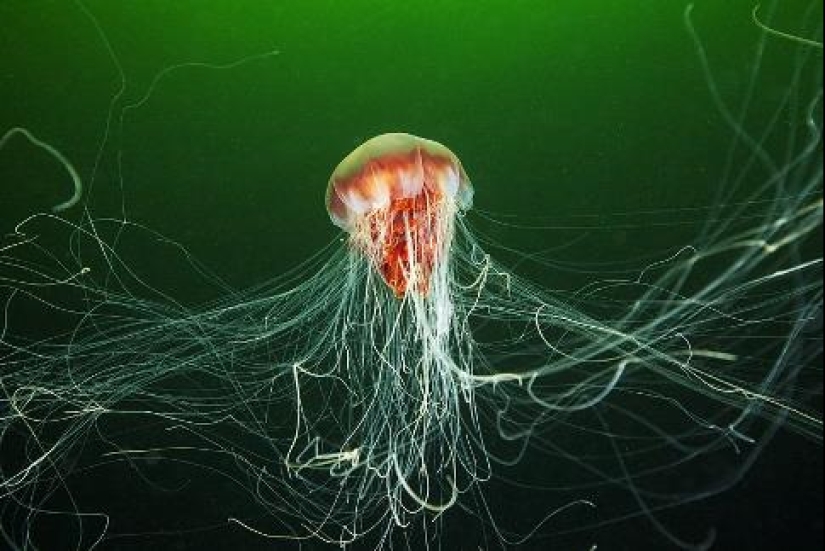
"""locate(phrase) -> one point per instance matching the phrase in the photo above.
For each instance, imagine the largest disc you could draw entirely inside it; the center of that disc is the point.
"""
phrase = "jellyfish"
(405, 383)
(396, 195)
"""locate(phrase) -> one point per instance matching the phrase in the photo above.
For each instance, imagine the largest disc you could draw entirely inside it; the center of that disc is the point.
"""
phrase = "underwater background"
(586, 125)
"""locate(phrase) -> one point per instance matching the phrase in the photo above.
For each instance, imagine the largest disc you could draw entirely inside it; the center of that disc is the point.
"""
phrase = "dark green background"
(589, 118)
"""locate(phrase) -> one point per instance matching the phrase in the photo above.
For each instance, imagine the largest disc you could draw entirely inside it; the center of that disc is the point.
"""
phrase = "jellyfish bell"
(397, 195)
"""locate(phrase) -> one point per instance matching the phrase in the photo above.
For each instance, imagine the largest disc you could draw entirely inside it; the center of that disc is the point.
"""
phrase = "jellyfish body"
(396, 195)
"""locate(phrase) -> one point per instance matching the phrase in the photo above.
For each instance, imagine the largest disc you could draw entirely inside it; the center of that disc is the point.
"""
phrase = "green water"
(592, 119)
(558, 110)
